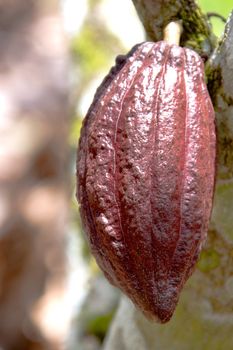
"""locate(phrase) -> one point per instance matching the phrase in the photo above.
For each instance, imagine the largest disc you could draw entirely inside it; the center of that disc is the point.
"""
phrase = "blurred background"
(54, 54)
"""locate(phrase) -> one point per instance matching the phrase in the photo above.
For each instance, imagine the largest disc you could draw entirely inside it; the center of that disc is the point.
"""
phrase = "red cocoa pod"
(146, 169)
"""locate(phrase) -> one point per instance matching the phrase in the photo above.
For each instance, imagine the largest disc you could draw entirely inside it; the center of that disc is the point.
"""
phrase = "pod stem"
(172, 32)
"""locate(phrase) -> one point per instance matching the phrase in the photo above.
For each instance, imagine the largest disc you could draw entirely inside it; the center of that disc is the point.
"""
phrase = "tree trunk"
(204, 317)
(34, 163)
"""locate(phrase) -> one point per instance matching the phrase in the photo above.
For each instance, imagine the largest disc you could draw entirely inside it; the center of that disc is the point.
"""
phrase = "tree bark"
(204, 317)
(156, 14)
(34, 163)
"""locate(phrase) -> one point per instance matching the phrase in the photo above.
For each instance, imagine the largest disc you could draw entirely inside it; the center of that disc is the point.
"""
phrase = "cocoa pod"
(146, 169)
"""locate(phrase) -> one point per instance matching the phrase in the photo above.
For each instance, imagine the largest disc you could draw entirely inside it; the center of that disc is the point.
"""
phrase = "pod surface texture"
(146, 170)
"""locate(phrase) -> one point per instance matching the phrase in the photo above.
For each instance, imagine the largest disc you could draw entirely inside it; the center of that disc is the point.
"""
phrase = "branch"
(197, 33)
(219, 72)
